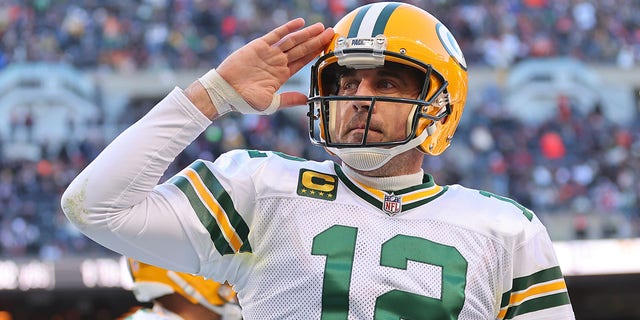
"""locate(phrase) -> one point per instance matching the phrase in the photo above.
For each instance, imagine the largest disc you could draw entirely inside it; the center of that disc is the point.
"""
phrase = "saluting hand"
(258, 69)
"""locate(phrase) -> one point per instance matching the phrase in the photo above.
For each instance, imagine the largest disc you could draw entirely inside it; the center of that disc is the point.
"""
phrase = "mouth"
(359, 126)
(355, 134)
(361, 130)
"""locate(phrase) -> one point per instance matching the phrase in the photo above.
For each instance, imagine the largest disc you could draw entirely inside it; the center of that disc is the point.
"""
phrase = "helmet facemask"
(367, 150)
(382, 34)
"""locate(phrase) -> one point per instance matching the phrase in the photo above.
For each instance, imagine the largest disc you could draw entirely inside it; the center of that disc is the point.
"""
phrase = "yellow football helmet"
(151, 282)
(392, 33)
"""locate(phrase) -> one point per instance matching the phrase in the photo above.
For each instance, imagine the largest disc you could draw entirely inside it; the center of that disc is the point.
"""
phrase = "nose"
(365, 88)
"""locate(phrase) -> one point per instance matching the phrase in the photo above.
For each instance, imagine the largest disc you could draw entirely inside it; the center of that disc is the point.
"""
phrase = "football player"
(371, 237)
(179, 296)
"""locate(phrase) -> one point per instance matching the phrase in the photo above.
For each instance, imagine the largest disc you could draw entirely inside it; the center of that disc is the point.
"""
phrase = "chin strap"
(226, 99)
(367, 159)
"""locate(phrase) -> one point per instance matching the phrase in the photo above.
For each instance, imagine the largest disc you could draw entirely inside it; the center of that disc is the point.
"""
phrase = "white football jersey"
(310, 243)
(300, 240)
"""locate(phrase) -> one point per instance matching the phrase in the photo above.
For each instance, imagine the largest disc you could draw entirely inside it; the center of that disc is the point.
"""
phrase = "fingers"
(304, 53)
(291, 99)
(301, 47)
(270, 60)
(282, 31)
(290, 35)
(293, 39)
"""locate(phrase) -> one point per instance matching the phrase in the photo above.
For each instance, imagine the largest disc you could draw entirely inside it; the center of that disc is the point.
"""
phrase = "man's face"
(389, 120)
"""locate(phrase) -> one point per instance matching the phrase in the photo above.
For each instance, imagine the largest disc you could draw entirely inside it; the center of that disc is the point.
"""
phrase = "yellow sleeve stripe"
(539, 290)
(214, 209)
(544, 288)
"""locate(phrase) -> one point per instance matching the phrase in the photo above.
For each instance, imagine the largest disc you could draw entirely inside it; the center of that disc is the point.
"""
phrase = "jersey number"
(338, 244)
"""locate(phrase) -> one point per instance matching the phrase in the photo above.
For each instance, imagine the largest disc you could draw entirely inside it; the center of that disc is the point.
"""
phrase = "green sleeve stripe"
(504, 301)
(536, 304)
(550, 274)
(223, 198)
(524, 283)
(219, 241)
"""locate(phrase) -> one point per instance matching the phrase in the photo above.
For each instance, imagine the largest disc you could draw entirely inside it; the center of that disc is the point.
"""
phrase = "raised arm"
(113, 200)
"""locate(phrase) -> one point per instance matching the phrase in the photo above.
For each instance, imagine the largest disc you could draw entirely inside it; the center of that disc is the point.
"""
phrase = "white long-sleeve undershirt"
(112, 200)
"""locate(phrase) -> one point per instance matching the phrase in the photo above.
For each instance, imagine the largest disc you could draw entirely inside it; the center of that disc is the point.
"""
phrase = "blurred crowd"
(129, 35)
(577, 164)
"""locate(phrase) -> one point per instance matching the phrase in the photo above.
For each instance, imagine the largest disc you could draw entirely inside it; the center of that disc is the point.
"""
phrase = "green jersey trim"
(214, 208)
(542, 290)
(409, 198)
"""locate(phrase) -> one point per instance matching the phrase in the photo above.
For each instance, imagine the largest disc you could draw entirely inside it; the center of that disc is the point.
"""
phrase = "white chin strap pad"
(367, 159)
(227, 99)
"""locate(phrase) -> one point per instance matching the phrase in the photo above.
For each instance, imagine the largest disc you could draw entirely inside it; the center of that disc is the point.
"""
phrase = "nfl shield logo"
(392, 204)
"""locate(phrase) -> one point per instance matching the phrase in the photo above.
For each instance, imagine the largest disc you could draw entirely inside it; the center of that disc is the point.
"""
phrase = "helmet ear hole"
(444, 120)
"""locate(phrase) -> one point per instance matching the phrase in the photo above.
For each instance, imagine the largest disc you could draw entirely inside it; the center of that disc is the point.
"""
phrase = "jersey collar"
(403, 200)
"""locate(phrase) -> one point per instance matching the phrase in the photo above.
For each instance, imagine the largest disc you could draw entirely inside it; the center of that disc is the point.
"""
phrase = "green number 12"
(338, 244)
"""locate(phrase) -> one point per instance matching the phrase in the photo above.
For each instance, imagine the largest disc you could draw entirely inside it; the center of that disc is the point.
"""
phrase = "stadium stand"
(561, 136)
(100, 51)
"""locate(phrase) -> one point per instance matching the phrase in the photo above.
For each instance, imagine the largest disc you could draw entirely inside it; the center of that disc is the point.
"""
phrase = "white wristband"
(227, 99)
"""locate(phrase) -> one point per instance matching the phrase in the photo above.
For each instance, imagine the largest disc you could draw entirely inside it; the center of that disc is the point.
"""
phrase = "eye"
(348, 86)
(386, 84)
